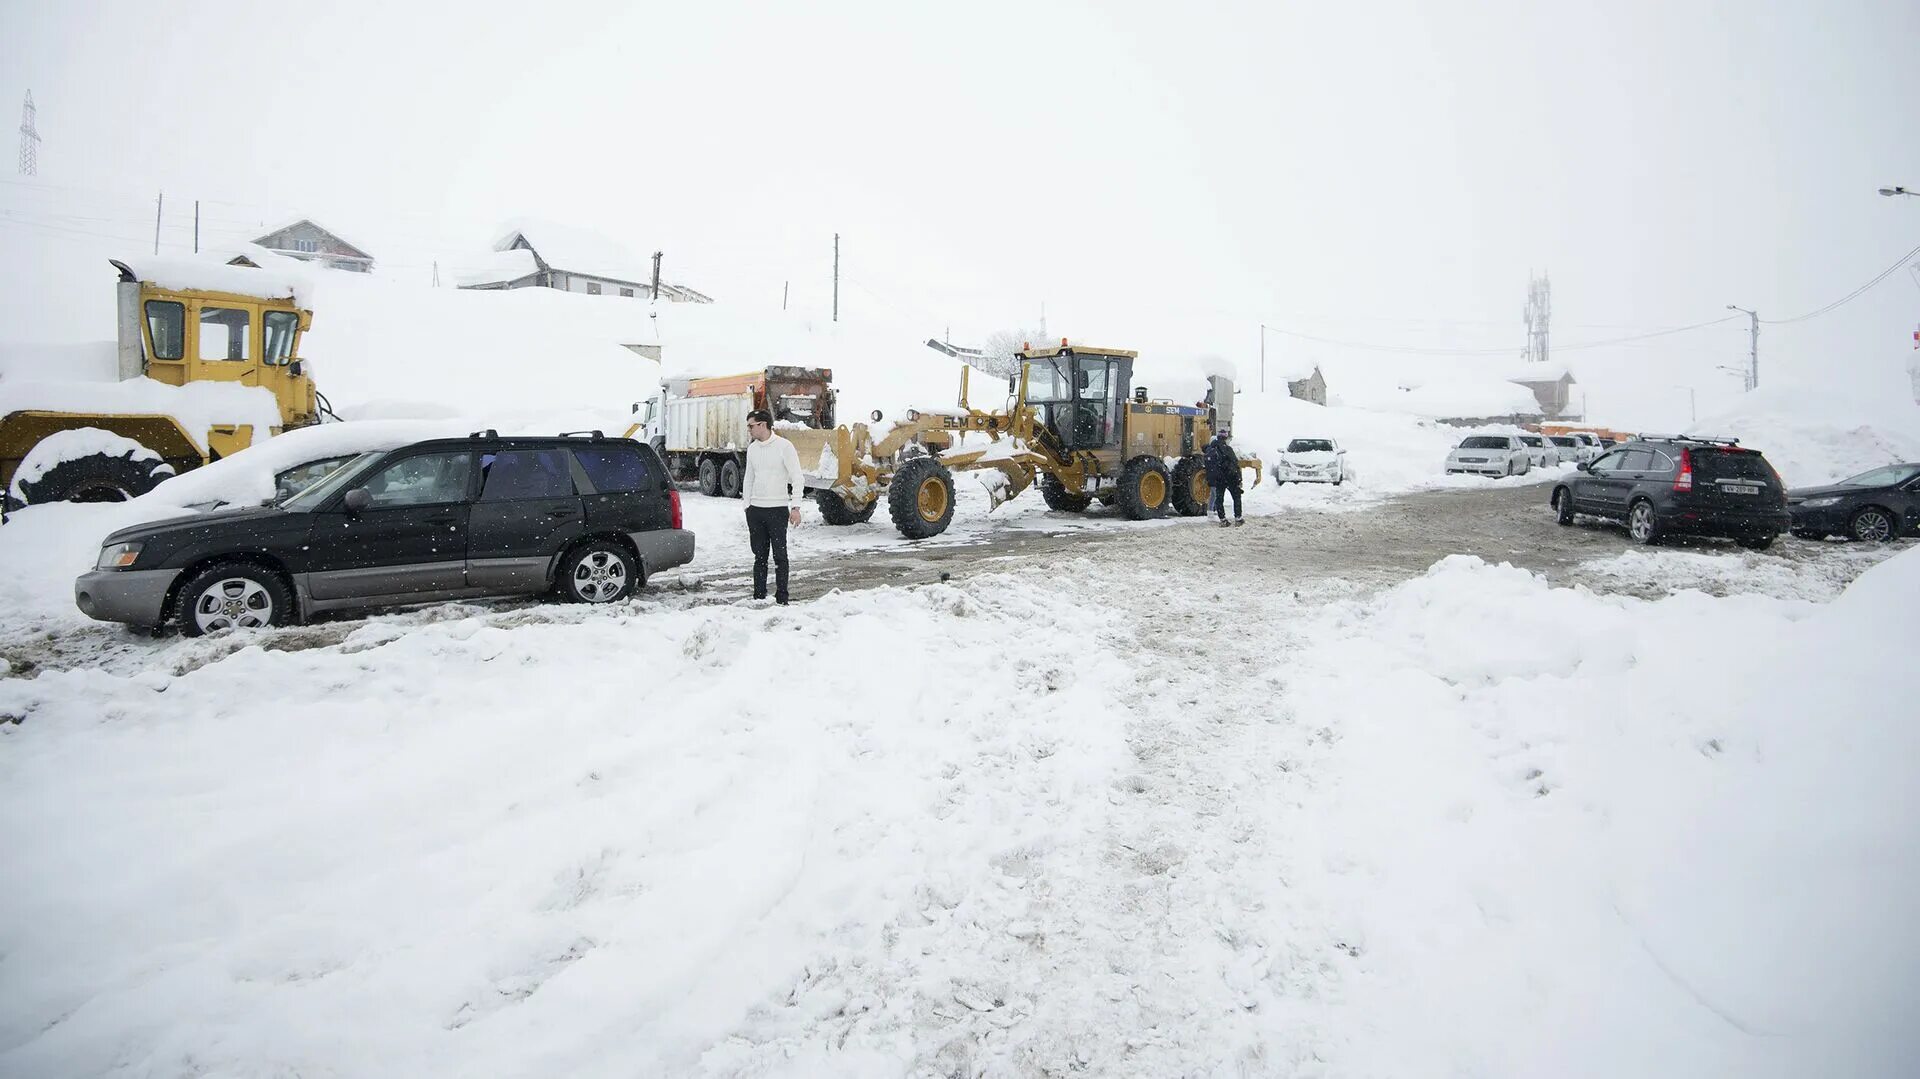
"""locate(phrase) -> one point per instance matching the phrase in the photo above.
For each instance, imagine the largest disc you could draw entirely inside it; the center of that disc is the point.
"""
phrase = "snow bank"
(578, 849)
(1567, 833)
(91, 361)
(63, 446)
(1817, 435)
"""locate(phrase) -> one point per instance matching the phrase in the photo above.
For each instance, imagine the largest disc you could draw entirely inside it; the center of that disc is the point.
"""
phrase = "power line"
(1849, 297)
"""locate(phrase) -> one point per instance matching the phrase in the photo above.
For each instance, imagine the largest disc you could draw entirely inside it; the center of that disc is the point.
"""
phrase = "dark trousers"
(1220, 500)
(767, 530)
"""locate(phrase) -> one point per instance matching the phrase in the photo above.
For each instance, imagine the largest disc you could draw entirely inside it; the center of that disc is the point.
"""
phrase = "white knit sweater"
(773, 475)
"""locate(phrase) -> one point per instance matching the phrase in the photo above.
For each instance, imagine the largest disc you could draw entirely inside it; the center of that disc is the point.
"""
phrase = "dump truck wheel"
(709, 477)
(1057, 497)
(97, 478)
(1191, 491)
(835, 511)
(730, 478)
(1146, 491)
(920, 498)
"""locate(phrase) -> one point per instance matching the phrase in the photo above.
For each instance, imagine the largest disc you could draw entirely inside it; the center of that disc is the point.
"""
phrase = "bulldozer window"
(167, 325)
(280, 327)
(223, 333)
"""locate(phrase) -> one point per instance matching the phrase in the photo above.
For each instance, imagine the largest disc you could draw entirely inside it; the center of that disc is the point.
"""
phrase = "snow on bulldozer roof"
(210, 274)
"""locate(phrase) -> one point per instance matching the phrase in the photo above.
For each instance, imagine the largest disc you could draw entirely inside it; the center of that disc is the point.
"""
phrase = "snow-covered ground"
(1114, 817)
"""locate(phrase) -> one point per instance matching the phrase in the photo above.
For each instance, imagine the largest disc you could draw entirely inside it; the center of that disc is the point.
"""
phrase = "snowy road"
(1278, 799)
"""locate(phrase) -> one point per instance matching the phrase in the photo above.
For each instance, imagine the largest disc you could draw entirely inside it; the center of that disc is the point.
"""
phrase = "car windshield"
(1562, 440)
(1532, 440)
(1484, 442)
(1310, 445)
(1883, 477)
(306, 501)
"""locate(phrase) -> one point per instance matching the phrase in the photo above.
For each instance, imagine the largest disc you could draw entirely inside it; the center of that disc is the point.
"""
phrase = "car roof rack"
(583, 434)
(1702, 439)
(488, 433)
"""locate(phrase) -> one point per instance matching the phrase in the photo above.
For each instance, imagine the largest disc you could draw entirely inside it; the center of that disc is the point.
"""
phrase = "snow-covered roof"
(576, 250)
(495, 268)
(211, 273)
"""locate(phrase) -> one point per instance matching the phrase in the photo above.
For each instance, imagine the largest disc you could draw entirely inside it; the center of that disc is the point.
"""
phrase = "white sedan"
(1541, 452)
(1311, 460)
(1490, 455)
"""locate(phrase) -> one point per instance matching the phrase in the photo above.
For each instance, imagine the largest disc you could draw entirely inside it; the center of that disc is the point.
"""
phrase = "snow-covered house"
(1552, 387)
(540, 254)
(308, 242)
(1304, 381)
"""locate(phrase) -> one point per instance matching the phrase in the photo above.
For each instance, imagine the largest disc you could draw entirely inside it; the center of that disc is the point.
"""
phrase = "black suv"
(587, 517)
(1681, 484)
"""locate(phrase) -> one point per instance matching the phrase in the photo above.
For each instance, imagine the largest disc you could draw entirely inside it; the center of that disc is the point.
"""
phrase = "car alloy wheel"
(1872, 526)
(1640, 522)
(600, 577)
(233, 602)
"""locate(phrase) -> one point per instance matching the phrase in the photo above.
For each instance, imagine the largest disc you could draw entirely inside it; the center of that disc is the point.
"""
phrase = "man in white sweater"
(773, 488)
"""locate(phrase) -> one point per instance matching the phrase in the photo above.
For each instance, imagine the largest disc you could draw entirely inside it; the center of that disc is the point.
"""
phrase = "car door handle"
(560, 513)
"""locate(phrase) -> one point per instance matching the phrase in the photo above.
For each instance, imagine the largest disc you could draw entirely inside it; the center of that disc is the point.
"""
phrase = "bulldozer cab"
(178, 336)
(1079, 395)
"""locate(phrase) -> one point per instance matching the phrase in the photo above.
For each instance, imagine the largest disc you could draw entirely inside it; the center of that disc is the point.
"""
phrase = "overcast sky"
(1159, 176)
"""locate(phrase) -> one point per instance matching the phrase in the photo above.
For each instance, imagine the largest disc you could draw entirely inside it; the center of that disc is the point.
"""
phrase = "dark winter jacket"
(1223, 465)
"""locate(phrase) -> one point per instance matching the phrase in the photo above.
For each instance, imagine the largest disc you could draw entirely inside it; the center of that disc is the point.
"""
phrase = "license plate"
(1740, 489)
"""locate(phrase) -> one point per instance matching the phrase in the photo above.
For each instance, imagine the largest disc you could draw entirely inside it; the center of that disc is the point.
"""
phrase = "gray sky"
(1163, 177)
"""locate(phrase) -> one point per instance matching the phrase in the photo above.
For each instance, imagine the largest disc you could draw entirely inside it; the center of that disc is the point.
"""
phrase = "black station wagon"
(587, 518)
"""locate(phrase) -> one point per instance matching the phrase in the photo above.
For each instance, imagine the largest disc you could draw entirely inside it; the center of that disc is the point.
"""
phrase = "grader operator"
(1076, 424)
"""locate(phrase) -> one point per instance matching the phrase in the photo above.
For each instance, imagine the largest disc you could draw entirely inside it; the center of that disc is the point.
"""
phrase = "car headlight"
(1817, 503)
(118, 556)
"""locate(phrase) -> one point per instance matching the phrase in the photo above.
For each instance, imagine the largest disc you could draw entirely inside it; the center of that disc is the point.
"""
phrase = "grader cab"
(112, 437)
(1076, 424)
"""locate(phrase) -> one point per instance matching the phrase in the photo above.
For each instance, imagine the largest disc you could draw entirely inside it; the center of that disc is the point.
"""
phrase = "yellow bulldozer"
(115, 438)
(1075, 424)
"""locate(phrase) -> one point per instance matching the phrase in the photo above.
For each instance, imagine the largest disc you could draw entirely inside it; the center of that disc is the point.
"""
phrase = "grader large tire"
(920, 498)
(96, 478)
(1146, 491)
(1191, 491)
(1057, 497)
(835, 511)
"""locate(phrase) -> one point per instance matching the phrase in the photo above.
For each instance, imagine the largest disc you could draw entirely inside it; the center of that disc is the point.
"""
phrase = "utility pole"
(196, 226)
(656, 276)
(784, 286)
(158, 205)
(836, 277)
(1753, 346)
(29, 140)
(436, 273)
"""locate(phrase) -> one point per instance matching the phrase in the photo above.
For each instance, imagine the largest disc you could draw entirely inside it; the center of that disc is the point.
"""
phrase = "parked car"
(1873, 507)
(1490, 455)
(1705, 487)
(586, 518)
(1570, 449)
(1311, 460)
(1541, 453)
(1591, 445)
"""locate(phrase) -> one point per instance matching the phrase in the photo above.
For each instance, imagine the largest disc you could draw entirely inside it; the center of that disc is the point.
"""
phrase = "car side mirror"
(357, 500)
(1580, 466)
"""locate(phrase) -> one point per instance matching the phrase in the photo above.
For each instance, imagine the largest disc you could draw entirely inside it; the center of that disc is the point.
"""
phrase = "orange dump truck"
(699, 425)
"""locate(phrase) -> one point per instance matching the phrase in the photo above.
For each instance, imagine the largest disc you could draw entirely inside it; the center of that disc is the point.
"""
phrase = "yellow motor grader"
(1075, 424)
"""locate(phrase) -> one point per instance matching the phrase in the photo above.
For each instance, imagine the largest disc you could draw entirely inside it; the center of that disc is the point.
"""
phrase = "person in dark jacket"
(1223, 475)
